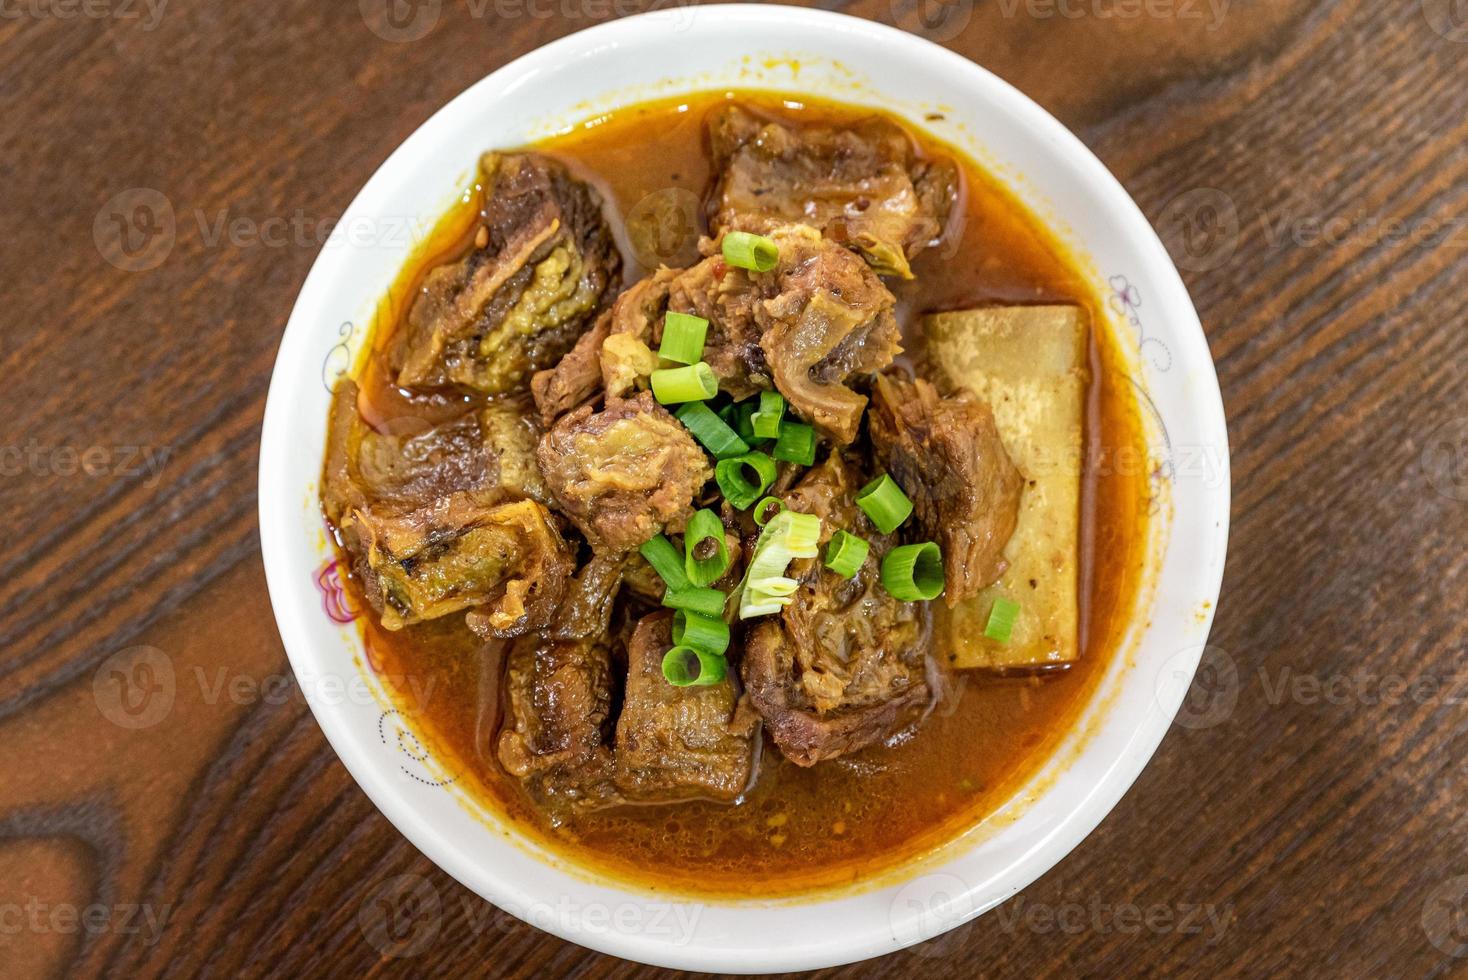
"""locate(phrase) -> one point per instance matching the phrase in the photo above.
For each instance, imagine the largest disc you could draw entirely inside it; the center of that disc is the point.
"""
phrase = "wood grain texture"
(1276, 144)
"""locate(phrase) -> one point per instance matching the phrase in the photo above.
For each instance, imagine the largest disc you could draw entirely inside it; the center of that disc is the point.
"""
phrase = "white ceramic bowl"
(793, 50)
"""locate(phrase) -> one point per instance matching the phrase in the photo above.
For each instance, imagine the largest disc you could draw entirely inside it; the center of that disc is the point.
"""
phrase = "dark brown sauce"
(849, 819)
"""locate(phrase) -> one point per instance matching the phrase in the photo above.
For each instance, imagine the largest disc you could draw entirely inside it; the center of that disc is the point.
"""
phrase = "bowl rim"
(1107, 788)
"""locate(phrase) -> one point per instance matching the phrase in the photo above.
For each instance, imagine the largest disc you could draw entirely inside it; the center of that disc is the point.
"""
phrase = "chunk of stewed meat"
(679, 743)
(576, 379)
(845, 665)
(860, 184)
(461, 552)
(947, 454)
(827, 323)
(539, 273)
(623, 474)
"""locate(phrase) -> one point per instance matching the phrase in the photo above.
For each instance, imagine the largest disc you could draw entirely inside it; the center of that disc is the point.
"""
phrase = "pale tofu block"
(1029, 363)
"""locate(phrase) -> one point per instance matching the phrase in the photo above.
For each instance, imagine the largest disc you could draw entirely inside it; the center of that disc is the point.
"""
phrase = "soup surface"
(846, 819)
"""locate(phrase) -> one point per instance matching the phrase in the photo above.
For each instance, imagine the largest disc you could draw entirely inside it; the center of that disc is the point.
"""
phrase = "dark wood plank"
(1321, 831)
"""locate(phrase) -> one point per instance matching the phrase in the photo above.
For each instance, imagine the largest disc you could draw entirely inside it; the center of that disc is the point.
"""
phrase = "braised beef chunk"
(409, 466)
(679, 743)
(538, 276)
(828, 321)
(623, 474)
(730, 299)
(458, 553)
(845, 666)
(860, 185)
(510, 434)
(560, 686)
(947, 454)
(576, 379)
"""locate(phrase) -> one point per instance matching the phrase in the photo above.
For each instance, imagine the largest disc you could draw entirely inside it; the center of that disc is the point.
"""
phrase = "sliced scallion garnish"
(711, 431)
(707, 633)
(766, 422)
(762, 512)
(683, 337)
(666, 561)
(694, 383)
(787, 536)
(686, 667)
(705, 552)
(705, 602)
(884, 502)
(733, 476)
(796, 444)
(913, 572)
(1002, 618)
(845, 553)
(747, 251)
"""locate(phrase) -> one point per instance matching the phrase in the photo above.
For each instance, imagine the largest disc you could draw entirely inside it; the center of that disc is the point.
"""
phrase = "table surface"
(1306, 163)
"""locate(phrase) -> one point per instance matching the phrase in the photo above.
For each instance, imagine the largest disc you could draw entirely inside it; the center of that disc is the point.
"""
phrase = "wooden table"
(1305, 163)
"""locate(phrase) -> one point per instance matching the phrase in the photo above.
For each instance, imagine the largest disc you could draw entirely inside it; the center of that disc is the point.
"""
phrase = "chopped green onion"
(694, 383)
(704, 526)
(746, 251)
(787, 536)
(666, 561)
(705, 602)
(845, 553)
(766, 422)
(1001, 619)
(797, 443)
(711, 431)
(737, 488)
(913, 572)
(885, 503)
(706, 633)
(762, 512)
(683, 336)
(685, 667)
(744, 421)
